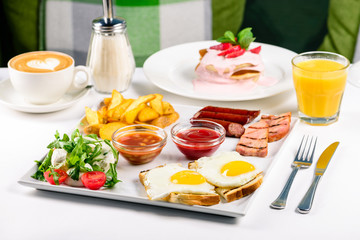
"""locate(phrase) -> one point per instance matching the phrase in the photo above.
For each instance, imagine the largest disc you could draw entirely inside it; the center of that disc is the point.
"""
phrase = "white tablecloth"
(26, 213)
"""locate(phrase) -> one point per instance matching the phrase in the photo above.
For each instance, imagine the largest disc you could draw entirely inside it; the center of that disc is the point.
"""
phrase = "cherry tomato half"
(93, 180)
(61, 174)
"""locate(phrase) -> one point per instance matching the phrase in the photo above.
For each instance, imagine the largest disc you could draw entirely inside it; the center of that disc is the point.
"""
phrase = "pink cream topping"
(219, 81)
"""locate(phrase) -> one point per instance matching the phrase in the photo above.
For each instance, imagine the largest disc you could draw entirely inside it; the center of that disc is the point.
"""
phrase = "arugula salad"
(79, 161)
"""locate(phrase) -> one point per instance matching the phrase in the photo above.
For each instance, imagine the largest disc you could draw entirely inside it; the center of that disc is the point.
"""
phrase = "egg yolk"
(236, 168)
(187, 177)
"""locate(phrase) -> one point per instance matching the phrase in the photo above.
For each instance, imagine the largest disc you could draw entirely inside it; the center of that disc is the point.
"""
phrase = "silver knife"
(321, 165)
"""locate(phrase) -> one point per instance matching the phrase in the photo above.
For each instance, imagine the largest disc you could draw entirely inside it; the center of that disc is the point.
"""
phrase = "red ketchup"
(198, 142)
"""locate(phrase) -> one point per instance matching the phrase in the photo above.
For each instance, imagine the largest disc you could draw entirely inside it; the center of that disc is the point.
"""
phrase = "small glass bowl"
(149, 141)
(198, 138)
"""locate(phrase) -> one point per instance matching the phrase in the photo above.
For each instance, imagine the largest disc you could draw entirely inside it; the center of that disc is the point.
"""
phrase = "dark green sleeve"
(343, 26)
(297, 25)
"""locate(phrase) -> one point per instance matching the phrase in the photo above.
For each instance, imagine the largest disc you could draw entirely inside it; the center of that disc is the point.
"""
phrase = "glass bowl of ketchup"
(198, 138)
(139, 143)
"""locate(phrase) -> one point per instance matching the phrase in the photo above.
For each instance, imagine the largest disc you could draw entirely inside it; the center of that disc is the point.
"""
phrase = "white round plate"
(9, 97)
(173, 70)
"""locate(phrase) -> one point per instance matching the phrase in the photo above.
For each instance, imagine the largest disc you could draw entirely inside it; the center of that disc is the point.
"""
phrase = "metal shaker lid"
(109, 25)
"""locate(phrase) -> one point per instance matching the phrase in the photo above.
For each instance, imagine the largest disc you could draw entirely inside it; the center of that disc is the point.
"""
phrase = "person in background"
(65, 25)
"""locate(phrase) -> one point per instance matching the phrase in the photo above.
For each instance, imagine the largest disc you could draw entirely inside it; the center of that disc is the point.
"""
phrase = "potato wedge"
(102, 113)
(107, 101)
(92, 129)
(156, 103)
(116, 112)
(147, 114)
(130, 116)
(167, 108)
(126, 103)
(107, 130)
(165, 120)
(110, 119)
(140, 100)
(116, 99)
(92, 117)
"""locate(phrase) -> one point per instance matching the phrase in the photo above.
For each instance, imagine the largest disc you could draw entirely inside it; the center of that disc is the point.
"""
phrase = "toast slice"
(232, 194)
(184, 198)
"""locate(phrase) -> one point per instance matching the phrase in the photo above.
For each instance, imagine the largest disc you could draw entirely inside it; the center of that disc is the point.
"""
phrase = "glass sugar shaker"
(110, 58)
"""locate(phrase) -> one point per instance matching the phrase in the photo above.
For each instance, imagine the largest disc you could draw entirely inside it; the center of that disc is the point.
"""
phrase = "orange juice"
(319, 85)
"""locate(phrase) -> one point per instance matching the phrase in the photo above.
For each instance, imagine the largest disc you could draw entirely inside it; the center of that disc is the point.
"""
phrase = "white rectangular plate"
(131, 190)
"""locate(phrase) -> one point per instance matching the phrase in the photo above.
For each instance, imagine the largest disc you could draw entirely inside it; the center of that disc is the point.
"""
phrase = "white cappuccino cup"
(43, 77)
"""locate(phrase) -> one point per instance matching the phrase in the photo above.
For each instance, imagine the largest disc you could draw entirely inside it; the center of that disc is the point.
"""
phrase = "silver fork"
(303, 161)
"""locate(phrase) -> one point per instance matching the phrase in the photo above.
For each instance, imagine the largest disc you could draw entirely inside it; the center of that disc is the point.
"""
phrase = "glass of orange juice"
(319, 80)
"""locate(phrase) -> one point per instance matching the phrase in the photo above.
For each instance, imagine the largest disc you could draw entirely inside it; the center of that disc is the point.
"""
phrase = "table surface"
(26, 213)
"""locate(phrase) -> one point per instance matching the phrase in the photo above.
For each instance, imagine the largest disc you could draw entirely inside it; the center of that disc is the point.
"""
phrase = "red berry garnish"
(221, 46)
(230, 50)
(235, 54)
(256, 50)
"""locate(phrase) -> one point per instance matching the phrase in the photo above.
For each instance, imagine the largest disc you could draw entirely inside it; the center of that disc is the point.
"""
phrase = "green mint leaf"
(226, 40)
(245, 38)
(246, 32)
(230, 35)
(245, 42)
(222, 39)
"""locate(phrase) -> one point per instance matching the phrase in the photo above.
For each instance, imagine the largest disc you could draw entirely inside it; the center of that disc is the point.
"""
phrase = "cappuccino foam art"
(41, 62)
(44, 77)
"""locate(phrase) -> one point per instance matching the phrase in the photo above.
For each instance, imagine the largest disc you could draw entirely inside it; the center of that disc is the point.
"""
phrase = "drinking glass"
(319, 80)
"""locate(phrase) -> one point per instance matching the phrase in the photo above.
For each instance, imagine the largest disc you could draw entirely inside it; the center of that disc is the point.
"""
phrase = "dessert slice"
(231, 60)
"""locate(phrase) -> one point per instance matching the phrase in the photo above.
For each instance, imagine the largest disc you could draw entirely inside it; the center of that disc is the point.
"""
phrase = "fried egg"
(227, 169)
(160, 182)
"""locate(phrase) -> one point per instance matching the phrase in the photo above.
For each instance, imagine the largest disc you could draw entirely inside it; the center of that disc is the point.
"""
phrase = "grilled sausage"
(232, 129)
(252, 113)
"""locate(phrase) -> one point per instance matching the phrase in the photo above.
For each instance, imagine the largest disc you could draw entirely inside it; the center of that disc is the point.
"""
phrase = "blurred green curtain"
(21, 32)
(299, 25)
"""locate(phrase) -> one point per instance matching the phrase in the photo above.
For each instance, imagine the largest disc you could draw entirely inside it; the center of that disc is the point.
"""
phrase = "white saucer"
(9, 97)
